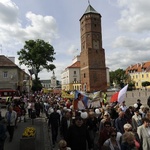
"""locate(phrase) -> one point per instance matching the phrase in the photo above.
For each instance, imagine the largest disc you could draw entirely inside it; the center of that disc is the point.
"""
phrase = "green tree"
(118, 77)
(37, 55)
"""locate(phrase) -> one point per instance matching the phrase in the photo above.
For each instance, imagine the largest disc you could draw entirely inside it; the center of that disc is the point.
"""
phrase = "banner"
(94, 96)
(64, 94)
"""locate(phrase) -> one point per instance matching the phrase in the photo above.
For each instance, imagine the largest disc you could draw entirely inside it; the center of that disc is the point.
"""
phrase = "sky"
(125, 30)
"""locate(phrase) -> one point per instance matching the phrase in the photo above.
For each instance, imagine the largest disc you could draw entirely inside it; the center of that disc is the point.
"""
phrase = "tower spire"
(89, 2)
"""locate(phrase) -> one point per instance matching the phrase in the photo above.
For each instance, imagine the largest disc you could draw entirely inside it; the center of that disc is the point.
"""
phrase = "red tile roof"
(75, 65)
(139, 67)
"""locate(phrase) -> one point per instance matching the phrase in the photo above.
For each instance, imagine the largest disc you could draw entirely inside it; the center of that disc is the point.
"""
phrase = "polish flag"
(119, 96)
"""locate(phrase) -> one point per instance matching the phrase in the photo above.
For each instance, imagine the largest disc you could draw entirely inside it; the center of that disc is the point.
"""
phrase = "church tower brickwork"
(92, 56)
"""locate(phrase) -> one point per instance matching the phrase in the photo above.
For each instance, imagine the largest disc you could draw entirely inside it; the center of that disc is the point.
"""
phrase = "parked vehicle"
(5, 93)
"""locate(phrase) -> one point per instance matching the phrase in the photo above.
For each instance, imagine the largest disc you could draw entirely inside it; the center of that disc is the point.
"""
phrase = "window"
(84, 75)
(5, 74)
(74, 72)
(142, 75)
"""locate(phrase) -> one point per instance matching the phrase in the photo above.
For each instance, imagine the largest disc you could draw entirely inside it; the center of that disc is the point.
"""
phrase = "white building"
(70, 77)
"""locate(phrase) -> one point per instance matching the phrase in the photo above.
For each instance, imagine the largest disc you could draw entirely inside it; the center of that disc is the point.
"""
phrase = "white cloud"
(132, 44)
(7, 7)
(42, 27)
(135, 15)
(38, 27)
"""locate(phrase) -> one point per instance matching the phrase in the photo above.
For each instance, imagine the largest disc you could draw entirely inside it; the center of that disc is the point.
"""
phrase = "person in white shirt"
(123, 106)
(136, 120)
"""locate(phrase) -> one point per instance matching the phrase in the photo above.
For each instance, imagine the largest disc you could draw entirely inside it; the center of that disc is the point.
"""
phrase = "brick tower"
(92, 56)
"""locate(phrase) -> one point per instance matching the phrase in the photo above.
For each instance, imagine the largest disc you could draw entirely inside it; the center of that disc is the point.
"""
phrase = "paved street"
(43, 138)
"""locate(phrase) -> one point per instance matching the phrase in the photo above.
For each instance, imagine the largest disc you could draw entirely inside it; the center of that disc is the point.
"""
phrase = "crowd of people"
(112, 126)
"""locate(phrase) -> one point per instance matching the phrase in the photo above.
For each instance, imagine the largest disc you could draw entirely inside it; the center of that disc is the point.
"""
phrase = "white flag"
(122, 94)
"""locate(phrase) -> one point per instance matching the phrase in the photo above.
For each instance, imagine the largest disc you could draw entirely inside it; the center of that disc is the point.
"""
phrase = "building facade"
(13, 77)
(52, 83)
(92, 56)
(70, 77)
(139, 73)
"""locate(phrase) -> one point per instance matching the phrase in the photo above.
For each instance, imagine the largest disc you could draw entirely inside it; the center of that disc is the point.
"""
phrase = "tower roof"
(90, 9)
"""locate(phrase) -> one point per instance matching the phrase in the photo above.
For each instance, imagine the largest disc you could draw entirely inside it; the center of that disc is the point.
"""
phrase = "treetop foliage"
(38, 55)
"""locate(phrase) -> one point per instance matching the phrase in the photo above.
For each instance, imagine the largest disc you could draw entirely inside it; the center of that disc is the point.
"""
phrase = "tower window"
(84, 75)
(95, 25)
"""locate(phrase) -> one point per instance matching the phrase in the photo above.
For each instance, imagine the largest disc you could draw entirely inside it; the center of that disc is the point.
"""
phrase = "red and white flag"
(122, 94)
(119, 96)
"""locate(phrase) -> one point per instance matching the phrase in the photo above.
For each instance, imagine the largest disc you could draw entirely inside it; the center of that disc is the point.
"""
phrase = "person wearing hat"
(78, 136)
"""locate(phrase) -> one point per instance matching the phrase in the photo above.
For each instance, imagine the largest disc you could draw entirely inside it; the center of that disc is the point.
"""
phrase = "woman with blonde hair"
(63, 145)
